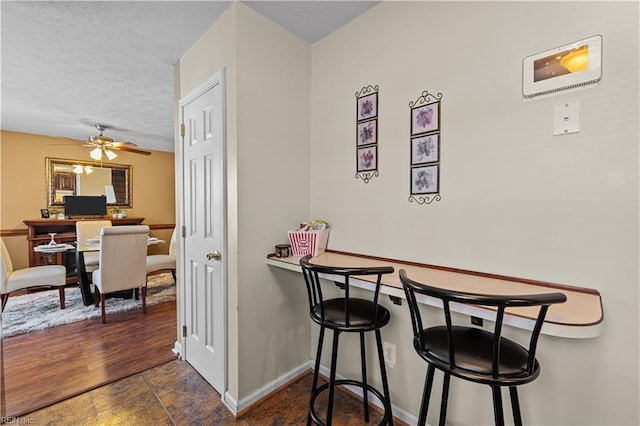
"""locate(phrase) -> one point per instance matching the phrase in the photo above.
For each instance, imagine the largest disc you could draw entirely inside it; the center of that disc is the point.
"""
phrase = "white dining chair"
(87, 230)
(158, 263)
(37, 276)
(123, 256)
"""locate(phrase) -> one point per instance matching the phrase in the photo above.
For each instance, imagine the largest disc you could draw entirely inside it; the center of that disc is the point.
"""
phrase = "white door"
(203, 207)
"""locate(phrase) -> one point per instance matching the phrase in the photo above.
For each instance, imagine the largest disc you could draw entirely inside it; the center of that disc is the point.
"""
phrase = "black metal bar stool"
(347, 314)
(472, 353)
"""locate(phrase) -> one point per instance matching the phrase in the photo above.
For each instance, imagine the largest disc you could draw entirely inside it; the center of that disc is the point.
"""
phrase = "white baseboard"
(236, 406)
(231, 403)
(177, 349)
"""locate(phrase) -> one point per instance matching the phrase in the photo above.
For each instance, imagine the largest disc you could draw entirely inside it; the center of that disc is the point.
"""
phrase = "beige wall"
(95, 185)
(516, 200)
(215, 51)
(23, 189)
(274, 89)
(267, 74)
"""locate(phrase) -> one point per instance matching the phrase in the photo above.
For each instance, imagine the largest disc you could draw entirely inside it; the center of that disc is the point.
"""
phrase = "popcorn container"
(308, 242)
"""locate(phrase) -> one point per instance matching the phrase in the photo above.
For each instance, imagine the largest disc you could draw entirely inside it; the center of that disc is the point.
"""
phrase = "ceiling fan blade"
(119, 144)
(133, 150)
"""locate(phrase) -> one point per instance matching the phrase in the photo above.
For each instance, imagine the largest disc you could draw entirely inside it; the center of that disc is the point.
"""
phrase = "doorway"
(201, 179)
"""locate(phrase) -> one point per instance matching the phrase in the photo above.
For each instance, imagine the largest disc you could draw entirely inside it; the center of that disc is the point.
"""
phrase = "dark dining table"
(80, 248)
(81, 268)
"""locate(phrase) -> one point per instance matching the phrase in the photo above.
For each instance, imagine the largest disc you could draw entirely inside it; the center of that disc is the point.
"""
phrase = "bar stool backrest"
(497, 303)
(341, 275)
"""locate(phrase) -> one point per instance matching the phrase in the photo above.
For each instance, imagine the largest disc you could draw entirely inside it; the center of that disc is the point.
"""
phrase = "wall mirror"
(77, 177)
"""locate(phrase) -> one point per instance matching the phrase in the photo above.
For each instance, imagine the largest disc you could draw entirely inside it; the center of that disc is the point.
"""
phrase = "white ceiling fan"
(104, 145)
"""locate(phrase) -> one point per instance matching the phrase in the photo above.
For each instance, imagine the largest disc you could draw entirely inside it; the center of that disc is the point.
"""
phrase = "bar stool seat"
(352, 315)
(472, 353)
(360, 315)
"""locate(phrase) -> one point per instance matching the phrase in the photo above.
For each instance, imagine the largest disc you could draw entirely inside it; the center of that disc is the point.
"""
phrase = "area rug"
(37, 311)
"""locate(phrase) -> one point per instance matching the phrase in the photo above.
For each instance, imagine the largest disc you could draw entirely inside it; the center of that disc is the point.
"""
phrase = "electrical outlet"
(477, 321)
(389, 351)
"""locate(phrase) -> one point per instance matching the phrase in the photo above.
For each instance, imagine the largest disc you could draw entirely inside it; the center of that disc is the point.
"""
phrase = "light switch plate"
(566, 118)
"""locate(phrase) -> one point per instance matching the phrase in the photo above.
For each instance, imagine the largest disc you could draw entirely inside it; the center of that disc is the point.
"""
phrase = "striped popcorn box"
(308, 242)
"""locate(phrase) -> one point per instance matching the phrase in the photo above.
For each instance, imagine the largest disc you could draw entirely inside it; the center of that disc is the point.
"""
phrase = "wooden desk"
(580, 316)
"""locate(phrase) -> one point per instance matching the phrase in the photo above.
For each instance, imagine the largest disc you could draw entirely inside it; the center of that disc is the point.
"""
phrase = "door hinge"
(184, 331)
(184, 231)
(182, 130)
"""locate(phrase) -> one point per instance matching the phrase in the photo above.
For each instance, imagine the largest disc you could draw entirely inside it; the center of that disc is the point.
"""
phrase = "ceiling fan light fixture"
(77, 169)
(110, 154)
(105, 146)
(576, 60)
(88, 169)
(96, 153)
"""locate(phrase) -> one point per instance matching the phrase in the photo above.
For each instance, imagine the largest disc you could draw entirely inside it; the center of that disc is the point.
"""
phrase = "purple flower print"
(366, 134)
(424, 179)
(424, 117)
(424, 148)
(366, 108)
(366, 160)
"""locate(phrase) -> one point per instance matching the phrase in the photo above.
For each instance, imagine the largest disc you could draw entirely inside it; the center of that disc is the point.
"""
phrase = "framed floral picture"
(367, 107)
(425, 142)
(425, 180)
(425, 118)
(425, 149)
(367, 132)
(367, 158)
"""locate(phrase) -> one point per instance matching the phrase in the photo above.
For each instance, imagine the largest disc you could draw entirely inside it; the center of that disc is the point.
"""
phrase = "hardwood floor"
(48, 366)
(65, 376)
(175, 394)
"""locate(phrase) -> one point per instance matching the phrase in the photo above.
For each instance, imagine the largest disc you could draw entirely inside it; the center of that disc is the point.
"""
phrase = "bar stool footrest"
(347, 382)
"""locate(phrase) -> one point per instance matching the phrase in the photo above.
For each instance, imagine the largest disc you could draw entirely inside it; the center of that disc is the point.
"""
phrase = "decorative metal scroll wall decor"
(426, 139)
(367, 133)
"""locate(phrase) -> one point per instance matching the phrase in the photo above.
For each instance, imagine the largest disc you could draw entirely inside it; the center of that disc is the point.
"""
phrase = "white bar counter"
(581, 316)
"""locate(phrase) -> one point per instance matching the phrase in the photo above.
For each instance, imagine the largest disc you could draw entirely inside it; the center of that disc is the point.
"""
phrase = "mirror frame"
(50, 179)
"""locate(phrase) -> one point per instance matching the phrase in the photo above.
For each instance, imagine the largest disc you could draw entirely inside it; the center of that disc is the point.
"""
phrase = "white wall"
(516, 200)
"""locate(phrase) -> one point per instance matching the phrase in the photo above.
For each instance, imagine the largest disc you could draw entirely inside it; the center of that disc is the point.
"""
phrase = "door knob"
(215, 255)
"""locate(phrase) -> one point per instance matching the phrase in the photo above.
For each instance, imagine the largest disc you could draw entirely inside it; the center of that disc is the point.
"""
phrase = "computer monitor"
(85, 205)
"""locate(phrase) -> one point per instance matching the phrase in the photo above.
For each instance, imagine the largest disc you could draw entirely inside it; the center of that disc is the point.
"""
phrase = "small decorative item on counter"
(55, 214)
(283, 250)
(309, 238)
(116, 213)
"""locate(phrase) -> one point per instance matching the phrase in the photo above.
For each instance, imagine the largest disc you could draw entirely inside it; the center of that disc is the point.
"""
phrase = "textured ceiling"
(69, 65)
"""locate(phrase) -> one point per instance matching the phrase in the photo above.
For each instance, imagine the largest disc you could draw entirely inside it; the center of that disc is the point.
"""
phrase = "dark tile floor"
(175, 394)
